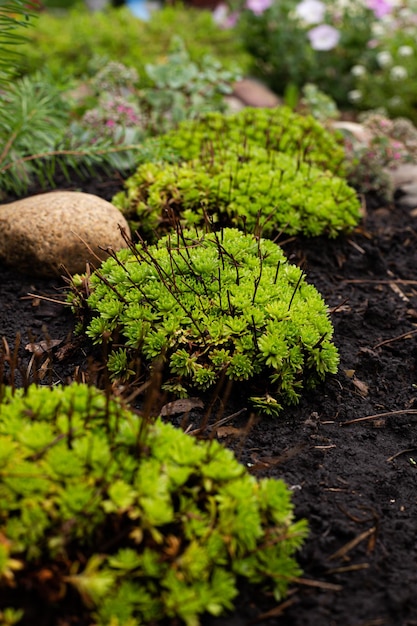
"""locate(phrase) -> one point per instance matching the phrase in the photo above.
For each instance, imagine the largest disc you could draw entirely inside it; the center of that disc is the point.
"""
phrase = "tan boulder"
(40, 234)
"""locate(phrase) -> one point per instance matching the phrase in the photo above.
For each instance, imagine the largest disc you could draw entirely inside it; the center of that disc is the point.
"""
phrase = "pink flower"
(258, 6)
(223, 18)
(110, 123)
(379, 7)
(323, 37)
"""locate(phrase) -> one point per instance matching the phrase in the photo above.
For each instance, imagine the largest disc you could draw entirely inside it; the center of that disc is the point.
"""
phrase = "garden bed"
(348, 450)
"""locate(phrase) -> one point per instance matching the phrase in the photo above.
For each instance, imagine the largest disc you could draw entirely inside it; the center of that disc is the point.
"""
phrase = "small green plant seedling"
(143, 521)
(206, 306)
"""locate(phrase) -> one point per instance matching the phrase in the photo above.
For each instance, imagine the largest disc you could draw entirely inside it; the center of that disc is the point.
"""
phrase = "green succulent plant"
(208, 306)
(268, 168)
(144, 521)
(279, 129)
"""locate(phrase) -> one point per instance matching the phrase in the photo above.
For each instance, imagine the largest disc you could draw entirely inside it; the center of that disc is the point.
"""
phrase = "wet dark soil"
(348, 451)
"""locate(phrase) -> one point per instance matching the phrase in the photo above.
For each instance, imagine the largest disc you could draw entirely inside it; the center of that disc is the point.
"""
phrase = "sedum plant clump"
(268, 168)
(279, 129)
(208, 307)
(142, 520)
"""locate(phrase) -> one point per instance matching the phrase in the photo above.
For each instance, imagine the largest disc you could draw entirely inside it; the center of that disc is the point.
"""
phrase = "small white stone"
(358, 131)
(404, 174)
(42, 234)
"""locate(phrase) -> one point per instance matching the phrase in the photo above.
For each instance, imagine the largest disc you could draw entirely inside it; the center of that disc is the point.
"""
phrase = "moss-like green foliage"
(278, 130)
(143, 520)
(68, 43)
(213, 305)
(269, 168)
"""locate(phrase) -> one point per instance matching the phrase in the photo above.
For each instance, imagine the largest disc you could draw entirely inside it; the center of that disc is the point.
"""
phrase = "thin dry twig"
(403, 336)
(220, 422)
(36, 295)
(317, 583)
(377, 281)
(342, 552)
(348, 568)
(397, 454)
(377, 415)
(275, 612)
(53, 153)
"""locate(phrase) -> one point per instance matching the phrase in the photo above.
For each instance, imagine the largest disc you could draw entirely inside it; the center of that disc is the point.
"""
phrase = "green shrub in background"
(141, 519)
(267, 168)
(14, 16)
(102, 123)
(179, 89)
(384, 74)
(38, 139)
(78, 43)
(287, 52)
(208, 306)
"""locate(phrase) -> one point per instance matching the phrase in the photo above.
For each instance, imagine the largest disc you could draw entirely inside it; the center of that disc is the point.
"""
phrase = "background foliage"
(14, 16)
(77, 44)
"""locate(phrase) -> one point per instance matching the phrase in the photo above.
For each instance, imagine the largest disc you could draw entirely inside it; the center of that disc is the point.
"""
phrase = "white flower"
(358, 70)
(384, 58)
(398, 72)
(377, 29)
(311, 11)
(405, 51)
(395, 101)
(355, 95)
(323, 37)
(405, 13)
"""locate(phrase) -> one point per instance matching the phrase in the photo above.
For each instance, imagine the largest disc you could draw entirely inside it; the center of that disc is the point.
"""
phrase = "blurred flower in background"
(295, 42)
(380, 7)
(311, 11)
(361, 53)
(323, 37)
(389, 83)
(258, 6)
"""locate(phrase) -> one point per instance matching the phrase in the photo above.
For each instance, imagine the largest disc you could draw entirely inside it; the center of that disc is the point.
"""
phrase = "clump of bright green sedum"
(144, 521)
(271, 169)
(279, 129)
(208, 306)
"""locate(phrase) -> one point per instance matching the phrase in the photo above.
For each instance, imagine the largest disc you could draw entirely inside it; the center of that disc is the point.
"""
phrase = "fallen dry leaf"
(361, 387)
(227, 431)
(40, 347)
(183, 405)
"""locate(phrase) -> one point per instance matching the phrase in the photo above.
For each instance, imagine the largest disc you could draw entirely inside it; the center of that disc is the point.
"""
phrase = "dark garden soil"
(348, 451)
